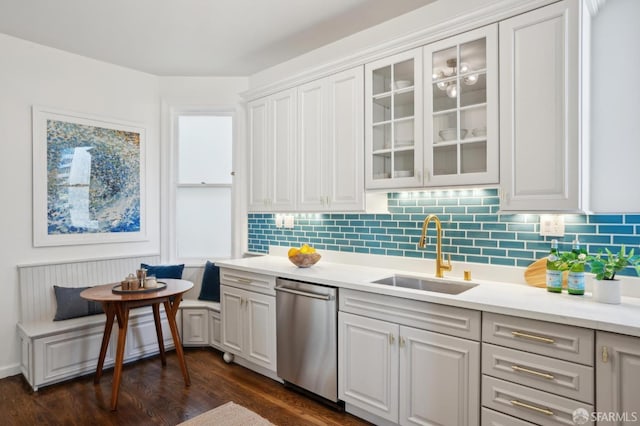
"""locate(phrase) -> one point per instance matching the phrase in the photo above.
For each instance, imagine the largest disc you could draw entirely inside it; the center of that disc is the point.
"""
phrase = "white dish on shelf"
(479, 132)
(451, 134)
(401, 84)
(402, 173)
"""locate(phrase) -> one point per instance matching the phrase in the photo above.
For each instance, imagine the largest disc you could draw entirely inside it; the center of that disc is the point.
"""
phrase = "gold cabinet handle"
(532, 407)
(534, 372)
(401, 341)
(391, 339)
(532, 337)
(605, 354)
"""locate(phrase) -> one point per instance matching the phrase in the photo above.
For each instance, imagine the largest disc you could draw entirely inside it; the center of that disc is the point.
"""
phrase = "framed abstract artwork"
(88, 179)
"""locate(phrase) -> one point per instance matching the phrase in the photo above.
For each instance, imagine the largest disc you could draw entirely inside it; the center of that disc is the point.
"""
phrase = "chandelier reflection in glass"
(450, 87)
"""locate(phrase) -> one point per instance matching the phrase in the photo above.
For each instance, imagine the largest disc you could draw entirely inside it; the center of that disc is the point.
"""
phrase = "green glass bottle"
(554, 274)
(575, 282)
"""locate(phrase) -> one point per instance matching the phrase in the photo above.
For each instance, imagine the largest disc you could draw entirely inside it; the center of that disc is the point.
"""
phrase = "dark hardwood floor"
(152, 395)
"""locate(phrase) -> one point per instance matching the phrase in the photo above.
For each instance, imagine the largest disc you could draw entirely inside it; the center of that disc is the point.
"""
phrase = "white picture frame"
(89, 176)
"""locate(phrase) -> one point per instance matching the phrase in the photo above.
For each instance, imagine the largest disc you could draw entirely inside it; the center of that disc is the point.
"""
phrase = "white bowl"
(482, 131)
(451, 134)
(401, 84)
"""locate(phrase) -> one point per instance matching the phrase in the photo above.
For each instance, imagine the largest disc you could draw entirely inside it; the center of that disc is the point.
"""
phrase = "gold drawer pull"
(534, 372)
(532, 407)
(532, 337)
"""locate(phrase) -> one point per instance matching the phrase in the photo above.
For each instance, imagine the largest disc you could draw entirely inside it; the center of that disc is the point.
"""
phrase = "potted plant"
(606, 288)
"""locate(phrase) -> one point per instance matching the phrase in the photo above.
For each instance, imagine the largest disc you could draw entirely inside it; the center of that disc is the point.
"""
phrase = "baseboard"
(10, 370)
(257, 368)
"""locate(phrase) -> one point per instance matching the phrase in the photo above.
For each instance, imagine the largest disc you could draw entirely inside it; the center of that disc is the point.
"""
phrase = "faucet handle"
(448, 266)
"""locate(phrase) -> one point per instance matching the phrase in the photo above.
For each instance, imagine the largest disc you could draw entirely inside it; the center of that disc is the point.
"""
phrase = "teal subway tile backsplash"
(473, 231)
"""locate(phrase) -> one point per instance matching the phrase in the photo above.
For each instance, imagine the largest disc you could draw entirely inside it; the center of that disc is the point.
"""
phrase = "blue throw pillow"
(164, 271)
(71, 305)
(210, 289)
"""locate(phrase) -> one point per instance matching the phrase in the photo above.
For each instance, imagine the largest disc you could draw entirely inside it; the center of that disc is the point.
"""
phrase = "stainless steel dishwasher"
(307, 335)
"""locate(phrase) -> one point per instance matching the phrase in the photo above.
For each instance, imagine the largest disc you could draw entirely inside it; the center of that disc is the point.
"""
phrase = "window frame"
(174, 185)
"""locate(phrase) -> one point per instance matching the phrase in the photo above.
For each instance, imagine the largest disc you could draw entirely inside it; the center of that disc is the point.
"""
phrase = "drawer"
(548, 374)
(545, 338)
(530, 404)
(493, 418)
(450, 320)
(260, 283)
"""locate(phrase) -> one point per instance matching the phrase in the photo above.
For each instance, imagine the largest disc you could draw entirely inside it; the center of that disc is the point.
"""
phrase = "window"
(203, 145)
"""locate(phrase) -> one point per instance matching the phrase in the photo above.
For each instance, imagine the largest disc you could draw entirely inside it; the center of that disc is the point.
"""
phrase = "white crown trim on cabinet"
(455, 25)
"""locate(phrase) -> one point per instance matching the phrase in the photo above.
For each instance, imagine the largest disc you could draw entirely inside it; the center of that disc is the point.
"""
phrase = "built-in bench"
(53, 351)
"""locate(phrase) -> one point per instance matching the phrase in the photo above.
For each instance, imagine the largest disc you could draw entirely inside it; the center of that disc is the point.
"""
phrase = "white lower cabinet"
(214, 329)
(405, 375)
(617, 379)
(195, 327)
(368, 364)
(249, 325)
(536, 371)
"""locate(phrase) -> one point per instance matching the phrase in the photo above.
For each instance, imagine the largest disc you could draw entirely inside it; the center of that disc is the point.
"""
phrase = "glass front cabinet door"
(461, 109)
(393, 112)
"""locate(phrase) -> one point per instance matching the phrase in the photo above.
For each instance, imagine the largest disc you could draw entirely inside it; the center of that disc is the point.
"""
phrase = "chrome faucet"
(440, 266)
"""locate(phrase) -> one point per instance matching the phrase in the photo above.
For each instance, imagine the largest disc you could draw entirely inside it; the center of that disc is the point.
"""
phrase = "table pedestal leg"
(110, 311)
(171, 310)
(122, 312)
(156, 319)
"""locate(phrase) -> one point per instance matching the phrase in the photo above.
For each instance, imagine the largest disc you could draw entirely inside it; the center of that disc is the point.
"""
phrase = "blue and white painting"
(93, 179)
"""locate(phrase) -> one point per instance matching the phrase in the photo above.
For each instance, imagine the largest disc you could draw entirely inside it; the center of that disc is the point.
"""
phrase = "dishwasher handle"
(304, 293)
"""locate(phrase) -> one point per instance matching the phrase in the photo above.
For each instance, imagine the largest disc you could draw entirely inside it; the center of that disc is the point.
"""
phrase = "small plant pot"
(607, 291)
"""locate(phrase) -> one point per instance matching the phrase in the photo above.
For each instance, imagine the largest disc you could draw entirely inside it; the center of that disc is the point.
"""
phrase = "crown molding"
(487, 15)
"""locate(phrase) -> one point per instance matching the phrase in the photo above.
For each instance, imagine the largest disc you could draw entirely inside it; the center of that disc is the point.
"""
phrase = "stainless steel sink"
(434, 285)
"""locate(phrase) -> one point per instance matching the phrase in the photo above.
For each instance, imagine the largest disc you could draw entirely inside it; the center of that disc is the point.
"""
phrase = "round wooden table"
(118, 305)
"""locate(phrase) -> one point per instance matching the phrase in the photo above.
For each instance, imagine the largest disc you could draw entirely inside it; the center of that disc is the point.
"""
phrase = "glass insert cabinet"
(432, 114)
(393, 112)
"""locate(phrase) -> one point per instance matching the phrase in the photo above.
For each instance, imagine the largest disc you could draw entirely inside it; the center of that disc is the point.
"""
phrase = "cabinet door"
(260, 329)
(215, 323)
(540, 153)
(345, 141)
(439, 379)
(393, 121)
(272, 130)
(195, 327)
(368, 364)
(331, 143)
(617, 377)
(312, 146)
(259, 154)
(282, 170)
(231, 304)
(461, 109)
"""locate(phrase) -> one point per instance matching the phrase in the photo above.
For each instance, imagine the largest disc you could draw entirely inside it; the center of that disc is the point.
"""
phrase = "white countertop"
(491, 296)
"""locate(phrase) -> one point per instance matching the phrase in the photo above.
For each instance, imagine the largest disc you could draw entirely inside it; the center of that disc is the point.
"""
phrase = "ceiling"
(194, 37)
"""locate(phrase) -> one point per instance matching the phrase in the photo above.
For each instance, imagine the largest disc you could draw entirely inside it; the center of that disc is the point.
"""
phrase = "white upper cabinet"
(543, 153)
(393, 121)
(331, 143)
(461, 109)
(272, 166)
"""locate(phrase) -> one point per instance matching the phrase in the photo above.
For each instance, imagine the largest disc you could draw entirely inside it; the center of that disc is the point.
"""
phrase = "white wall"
(615, 152)
(34, 74)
